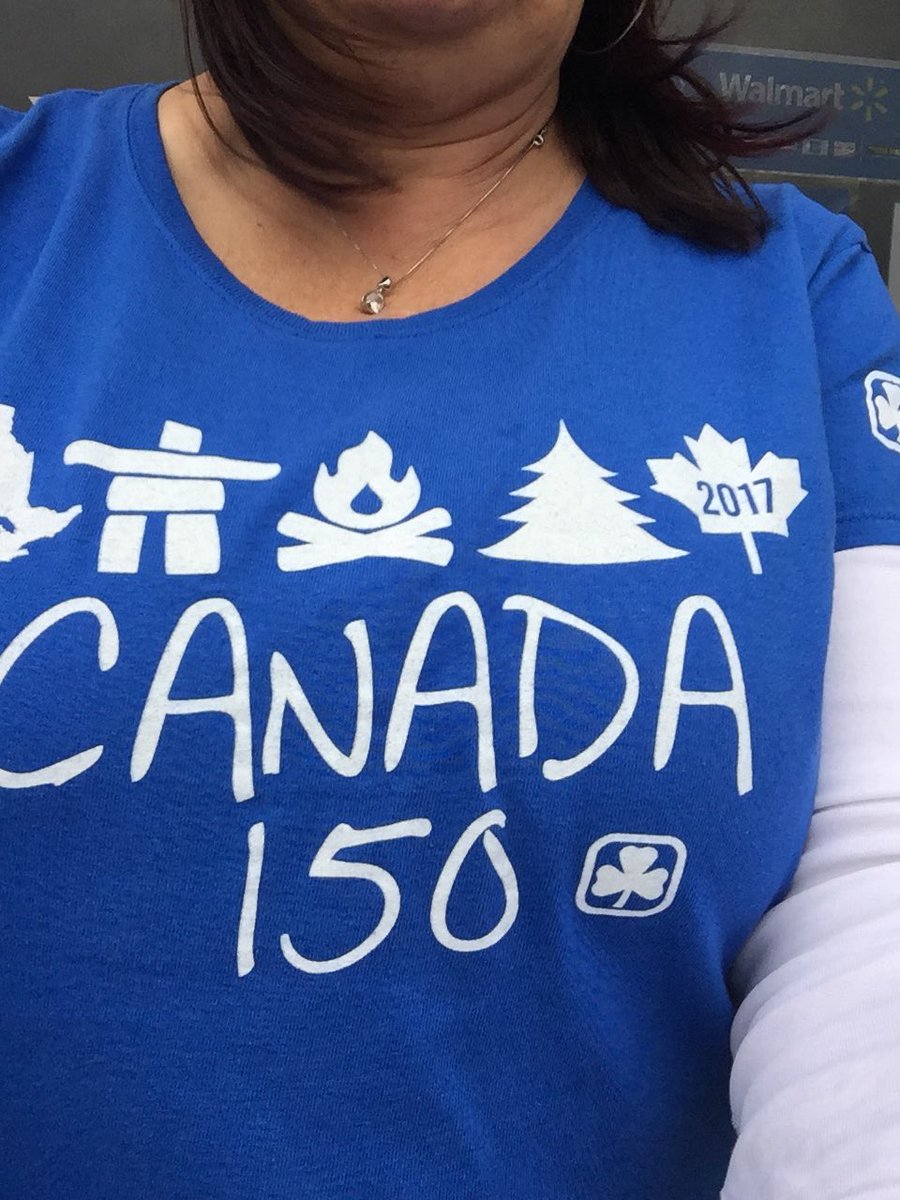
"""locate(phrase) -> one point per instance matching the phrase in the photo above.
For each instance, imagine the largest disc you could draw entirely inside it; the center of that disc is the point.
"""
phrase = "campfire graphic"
(348, 533)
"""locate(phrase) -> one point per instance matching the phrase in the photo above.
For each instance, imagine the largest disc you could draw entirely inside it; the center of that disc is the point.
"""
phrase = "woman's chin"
(423, 19)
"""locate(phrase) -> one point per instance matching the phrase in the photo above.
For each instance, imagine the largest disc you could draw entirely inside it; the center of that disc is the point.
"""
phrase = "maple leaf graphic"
(725, 493)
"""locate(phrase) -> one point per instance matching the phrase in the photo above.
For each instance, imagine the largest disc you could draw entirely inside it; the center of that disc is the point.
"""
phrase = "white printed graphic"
(883, 404)
(176, 480)
(480, 828)
(675, 696)
(347, 534)
(623, 872)
(60, 772)
(409, 696)
(574, 516)
(161, 706)
(726, 494)
(20, 524)
(326, 865)
(536, 612)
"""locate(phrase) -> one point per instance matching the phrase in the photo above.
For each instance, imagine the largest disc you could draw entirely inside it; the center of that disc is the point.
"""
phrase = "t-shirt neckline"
(148, 158)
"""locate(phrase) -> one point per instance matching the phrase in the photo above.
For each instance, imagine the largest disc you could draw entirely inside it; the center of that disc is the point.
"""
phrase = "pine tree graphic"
(574, 516)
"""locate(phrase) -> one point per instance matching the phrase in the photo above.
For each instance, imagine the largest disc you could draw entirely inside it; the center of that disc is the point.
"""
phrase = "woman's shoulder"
(9, 119)
(58, 159)
(45, 110)
(69, 117)
(66, 139)
(807, 226)
(802, 234)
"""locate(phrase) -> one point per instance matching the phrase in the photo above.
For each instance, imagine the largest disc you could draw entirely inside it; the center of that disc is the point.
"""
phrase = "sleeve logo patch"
(883, 404)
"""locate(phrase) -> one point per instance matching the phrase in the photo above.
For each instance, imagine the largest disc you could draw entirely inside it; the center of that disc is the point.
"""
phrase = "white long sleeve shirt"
(815, 1088)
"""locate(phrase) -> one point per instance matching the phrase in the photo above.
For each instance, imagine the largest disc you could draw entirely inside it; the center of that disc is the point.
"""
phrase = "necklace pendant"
(373, 302)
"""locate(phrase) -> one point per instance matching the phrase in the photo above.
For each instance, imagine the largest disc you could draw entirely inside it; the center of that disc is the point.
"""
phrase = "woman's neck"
(285, 247)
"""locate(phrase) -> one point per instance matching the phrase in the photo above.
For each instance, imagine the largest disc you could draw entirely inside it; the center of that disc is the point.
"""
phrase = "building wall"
(852, 28)
(51, 44)
(859, 28)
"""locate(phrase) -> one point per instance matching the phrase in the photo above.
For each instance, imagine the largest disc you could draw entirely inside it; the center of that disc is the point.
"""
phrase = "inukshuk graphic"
(347, 533)
(174, 480)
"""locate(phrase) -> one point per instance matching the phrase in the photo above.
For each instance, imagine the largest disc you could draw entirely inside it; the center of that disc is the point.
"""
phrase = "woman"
(371, 834)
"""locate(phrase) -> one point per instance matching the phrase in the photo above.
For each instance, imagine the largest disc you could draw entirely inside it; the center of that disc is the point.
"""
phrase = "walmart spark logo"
(869, 98)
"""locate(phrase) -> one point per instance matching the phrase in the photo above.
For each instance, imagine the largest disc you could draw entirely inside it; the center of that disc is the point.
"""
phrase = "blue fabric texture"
(406, 721)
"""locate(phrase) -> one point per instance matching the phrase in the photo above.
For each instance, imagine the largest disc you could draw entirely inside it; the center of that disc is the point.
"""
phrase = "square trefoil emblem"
(630, 875)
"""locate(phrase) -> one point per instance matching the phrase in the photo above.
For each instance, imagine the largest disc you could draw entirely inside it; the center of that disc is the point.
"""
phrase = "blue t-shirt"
(406, 721)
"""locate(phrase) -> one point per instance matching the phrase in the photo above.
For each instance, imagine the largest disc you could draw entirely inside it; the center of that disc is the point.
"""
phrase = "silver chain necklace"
(373, 301)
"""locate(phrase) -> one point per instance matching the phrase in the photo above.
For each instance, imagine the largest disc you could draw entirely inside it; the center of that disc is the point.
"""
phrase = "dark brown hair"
(653, 134)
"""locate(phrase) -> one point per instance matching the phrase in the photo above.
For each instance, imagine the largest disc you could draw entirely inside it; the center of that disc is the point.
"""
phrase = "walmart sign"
(863, 139)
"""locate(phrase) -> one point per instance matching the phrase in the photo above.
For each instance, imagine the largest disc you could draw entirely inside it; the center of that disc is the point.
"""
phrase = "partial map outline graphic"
(20, 522)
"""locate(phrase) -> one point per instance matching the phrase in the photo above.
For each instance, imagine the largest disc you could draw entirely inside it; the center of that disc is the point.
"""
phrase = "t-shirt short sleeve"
(857, 332)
